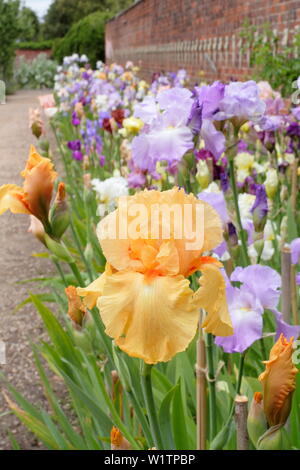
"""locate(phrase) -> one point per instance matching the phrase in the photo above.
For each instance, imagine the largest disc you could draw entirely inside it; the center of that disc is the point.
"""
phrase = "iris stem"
(212, 387)
(240, 376)
(77, 274)
(245, 256)
(82, 255)
(140, 415)
(150, 405)
(60, 271)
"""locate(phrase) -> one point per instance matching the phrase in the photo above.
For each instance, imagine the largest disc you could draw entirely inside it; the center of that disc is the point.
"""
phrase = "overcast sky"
(39, 6)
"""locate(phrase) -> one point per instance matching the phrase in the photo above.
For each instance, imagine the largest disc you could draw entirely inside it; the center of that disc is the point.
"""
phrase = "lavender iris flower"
(210, 97)
(246, 316)
(207, 101)
(288, 331)
(167, 141)
(271, 123)
(92, 140)
(180, 98)
(241, 101)
(146, 110)
(217, 201)
(165, 137)
(214, 140)
(259, 290)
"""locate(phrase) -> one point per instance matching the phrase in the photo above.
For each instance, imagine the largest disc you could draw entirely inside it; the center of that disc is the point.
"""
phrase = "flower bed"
(174, 230)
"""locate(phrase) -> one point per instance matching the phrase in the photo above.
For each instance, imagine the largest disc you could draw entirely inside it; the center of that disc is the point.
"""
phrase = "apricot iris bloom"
(144, 296)
(35, 196)
(279, 382)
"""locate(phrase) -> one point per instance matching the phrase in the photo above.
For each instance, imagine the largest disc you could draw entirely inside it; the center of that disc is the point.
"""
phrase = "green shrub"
(36, 74)
(8, 34)
(84, 37)
(271, 61)
(35, 45)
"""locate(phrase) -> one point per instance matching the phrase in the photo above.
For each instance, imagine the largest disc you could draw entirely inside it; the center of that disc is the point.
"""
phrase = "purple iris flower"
(293, 130)
(195, 117)
(241, 100)
(267, 138)
(146, 110)
(224, 179)
(86, 75)
(288, 331)
(242, 146)
(77, 155)
(75, 119)
(217, 201)
(74, 145)
(165, 137)
(92, 140)
(180, 98)
(271, 123)
(233, 239)
(136, 180)
(246, 316)
(209, 97)
(180, 77)
(214, 140)
(103, 115)
(295, 250)
(259, 290)
(164, 144)
(260, 209)
(203, 154)
(263, 281)
(205, 107)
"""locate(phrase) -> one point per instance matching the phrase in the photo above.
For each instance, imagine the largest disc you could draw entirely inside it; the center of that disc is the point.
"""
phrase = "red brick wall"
(30, 55)
(195, 34)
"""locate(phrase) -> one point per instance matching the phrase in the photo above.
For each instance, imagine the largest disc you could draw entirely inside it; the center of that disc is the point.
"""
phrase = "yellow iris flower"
(34, 197)
(144, 296)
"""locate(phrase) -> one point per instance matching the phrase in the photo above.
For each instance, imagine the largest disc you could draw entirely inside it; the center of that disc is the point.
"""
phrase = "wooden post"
(201, 390)
(241, 414)
(286, 283)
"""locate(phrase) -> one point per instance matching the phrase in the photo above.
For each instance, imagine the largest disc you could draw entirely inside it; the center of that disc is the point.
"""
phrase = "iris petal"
(152, 320)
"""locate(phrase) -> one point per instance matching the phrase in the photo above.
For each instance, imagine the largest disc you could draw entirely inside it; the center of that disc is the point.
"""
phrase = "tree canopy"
(9, 30)
(29, 25)
(62, 14)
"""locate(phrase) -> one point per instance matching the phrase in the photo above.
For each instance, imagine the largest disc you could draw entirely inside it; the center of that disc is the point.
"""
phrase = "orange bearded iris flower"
(278, 381)
(35, 196)
(144, 296)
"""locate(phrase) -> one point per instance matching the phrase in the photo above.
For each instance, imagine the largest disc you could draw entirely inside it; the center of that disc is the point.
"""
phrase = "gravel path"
(18, 329)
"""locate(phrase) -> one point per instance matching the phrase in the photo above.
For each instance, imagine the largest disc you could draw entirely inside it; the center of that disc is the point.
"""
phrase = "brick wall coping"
(122, 12)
